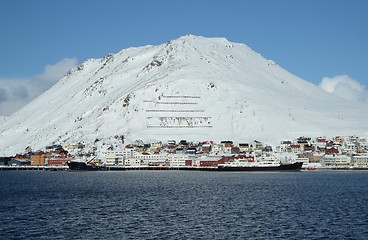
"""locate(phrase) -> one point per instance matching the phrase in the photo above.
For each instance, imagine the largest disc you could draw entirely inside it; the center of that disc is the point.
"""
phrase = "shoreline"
(153, 168)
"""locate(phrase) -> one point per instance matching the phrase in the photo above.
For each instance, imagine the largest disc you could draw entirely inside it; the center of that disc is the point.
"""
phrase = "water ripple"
(184, 205)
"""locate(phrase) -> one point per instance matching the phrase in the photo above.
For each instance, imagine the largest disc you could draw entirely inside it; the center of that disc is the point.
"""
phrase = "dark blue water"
(183, 205)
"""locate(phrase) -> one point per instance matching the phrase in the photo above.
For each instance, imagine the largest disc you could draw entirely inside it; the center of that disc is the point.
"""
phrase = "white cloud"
(345, 87)
(16, 93)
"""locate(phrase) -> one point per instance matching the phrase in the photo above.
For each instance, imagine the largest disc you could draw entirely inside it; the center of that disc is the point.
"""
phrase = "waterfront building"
(133, 162)
(339, 161)
(39, 158)
(360, 161)
(177, 159)
(118, 157)
(19, 162)
(152, 159)
(207, 161)
(57, 161)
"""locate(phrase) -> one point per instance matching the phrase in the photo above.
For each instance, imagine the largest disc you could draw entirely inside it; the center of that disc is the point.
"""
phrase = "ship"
(264, 164)
(83, 166)
(291, 167)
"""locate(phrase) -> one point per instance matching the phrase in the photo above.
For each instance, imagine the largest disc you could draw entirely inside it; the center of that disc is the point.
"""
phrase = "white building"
(360, 161)
(117, 158)
(216, 149)
(283, 147)
(349, 146)
(177, 159)
(147, 159)
(336, 161)
(319, 144)
(132, 162)
(244, 147)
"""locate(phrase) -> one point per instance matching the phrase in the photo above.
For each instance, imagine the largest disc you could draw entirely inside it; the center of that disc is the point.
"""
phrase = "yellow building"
(39, 158)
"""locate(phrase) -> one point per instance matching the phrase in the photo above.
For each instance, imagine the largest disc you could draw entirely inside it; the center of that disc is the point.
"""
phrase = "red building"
(58, 161)
(188, 162)
(332, 150)
(208, 163)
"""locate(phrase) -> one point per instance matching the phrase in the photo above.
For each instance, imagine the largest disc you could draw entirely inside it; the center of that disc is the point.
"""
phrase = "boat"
(291, 167)
(262, 165)
(83, 166)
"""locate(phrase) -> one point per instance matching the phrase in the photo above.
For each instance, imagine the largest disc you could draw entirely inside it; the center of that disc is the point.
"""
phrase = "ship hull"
(82, 166)
(281, 168)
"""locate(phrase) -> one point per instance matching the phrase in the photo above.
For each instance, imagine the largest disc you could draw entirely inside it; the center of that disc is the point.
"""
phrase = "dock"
(34, 168)
(157, 168)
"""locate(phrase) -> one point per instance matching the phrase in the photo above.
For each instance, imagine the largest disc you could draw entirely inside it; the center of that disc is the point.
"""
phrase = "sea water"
(183, 205)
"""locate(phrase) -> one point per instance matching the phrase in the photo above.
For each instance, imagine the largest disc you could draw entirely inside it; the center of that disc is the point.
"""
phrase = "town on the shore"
(350, 152)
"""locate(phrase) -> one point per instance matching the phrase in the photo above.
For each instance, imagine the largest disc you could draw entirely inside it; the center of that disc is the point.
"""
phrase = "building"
(189, 162)
(156, 146)
(257, 145)
(74, 146)
(339, 161)
(227, 145)
(208, 161)
(39, 158)
(349, 146)
(180, 151)
(244, 147)
(216, 149)
(284, 146)
(332, 150)
(56, 161)
(19, 162)
(177, 159)
(235, 150)
(360, 161)
(315, 158)
(296, 148)
(191, 150)
(308, 148)
(115, 158)
(152, 159)
(206, 147)
(132, 162)
(130, 157)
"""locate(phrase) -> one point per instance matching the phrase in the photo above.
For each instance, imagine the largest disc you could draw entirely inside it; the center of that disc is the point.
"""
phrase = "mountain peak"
(200, 40)
(191, 37)
(192, 88)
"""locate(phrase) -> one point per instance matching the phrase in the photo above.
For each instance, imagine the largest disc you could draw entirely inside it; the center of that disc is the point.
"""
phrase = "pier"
(150, 168)
(157, 168)
(35, 168)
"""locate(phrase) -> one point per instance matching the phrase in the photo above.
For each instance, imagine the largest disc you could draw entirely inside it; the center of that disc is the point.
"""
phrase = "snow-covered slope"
(192, 88)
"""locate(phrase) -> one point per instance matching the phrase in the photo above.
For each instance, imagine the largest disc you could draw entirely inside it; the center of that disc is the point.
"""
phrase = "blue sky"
(312, 39)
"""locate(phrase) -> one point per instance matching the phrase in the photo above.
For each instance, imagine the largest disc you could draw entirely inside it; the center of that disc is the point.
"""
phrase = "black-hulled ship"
(83, 166)
(265, 163)
(260, 167)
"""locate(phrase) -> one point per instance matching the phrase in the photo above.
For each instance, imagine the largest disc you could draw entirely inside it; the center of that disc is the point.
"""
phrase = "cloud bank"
(345, 87)
(16, 93)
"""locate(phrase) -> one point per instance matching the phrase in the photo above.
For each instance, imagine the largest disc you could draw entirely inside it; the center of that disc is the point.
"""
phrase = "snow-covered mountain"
(192, 88)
